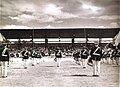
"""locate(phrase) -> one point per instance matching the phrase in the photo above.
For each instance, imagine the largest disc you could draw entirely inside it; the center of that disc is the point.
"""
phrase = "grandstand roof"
(56, 33)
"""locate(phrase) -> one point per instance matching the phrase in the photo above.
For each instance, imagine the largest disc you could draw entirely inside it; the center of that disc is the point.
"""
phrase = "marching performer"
(33, 58)
(96, 54)
(58, 56)
(4, 59)
(84, 56)
(25, 55)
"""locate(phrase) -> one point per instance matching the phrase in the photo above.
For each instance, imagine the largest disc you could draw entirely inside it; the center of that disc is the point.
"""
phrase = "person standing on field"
(4, 59)
(25, 55)
(84, 56)
(96, 54)
(58, 56)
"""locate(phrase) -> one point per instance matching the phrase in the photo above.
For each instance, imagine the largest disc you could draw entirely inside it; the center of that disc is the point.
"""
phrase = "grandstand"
(61, 36)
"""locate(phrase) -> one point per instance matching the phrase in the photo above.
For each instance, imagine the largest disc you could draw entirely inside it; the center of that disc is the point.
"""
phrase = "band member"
(58, 56)
(25, 55)
(76, 56)
(84, 56)
(4, 59)
(109, 55)
(96, 54)
(116, 55)
(33, 57)
(38, 56)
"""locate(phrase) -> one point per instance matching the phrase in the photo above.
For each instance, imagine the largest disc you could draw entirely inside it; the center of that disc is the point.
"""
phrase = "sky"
(33, 14)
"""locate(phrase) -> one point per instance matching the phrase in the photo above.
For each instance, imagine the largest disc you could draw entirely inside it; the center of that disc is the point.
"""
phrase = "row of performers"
(109, 55)
(25, 54)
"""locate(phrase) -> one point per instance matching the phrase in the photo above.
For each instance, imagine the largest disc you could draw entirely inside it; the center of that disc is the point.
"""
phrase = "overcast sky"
(59, 13)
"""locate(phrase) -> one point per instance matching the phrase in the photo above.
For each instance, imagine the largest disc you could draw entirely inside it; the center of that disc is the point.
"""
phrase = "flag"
(117, 38)
(2, 38)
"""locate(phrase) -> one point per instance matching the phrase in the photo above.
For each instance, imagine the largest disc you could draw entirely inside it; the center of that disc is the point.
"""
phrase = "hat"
(96, 42)
(84, 47)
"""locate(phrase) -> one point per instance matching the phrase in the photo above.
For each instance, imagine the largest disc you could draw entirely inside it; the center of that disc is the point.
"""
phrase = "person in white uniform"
(96, 54)
(4, 59)
(84, 56)
(58, 56)
(25, 55)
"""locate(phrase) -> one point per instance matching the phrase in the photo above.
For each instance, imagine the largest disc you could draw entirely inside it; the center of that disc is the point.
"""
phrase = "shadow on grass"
(48, 66)
(115, 65)
(17, 68)
(78, 75)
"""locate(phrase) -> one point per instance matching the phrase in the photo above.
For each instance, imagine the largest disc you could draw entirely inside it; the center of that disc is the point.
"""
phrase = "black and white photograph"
(59, 43)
